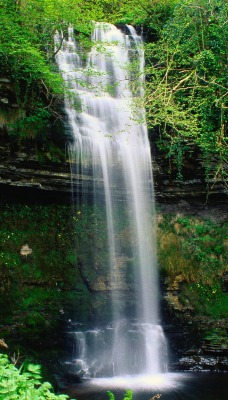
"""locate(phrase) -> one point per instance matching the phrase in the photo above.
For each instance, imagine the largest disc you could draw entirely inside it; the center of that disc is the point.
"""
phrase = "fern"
(24, 383)
(111, 395)
(128, 395)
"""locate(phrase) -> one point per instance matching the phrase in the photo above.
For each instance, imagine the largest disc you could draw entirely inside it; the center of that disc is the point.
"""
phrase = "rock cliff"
(22, 171)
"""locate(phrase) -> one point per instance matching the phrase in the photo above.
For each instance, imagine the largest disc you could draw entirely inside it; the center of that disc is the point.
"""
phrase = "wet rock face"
(190, 353)
(173, 291)
(7, 94)
(207, 357)
(186, 182)
(203, 363)
(195, 344)
(35, 176)
(22, 176)
(23, 170)
(225, 282)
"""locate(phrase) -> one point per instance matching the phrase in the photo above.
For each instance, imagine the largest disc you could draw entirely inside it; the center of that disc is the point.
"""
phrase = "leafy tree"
(187, 85)
(27, 55)
(24, 62)
(186, 57)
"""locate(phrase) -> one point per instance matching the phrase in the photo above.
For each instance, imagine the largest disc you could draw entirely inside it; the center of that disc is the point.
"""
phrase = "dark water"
(175, 386)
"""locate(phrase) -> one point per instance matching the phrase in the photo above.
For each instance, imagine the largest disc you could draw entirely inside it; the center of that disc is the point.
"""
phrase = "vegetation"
(56, 281)
(187, 88)
(40, 288)
(194, 250)
(129, 396)
(186, 57)
(27, 60)
(24, 383)
(40, 291)
(186, 103)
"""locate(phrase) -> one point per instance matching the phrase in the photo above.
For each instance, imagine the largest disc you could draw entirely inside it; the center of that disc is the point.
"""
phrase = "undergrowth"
(195, 249)
(24, 383)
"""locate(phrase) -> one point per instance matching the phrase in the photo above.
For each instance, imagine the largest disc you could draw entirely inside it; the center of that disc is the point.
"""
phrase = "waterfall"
(110, 144)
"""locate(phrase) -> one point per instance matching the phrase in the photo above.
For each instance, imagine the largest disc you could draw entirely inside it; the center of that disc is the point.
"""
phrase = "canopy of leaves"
(186, 58)
(187, 83)
(27, 53)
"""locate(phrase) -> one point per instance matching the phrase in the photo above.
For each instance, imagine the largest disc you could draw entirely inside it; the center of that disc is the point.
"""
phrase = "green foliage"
(150, 14)
(35, 288)
(186, 54)
(27, 56)
(196, 250)
(111, 396)
(24, 383)
(127, 396)
(187, 85)
(206, 300)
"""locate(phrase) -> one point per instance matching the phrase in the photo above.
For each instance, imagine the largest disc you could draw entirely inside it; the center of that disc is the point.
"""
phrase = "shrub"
(24, 383)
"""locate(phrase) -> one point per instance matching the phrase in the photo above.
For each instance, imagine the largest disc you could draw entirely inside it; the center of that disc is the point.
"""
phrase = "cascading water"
(103, 105)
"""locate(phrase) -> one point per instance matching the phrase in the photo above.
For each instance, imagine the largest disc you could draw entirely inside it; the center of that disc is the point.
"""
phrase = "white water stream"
(104, 107)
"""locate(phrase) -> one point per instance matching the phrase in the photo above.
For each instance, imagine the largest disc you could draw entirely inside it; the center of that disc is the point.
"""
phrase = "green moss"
(195, 248)
(36, 289)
